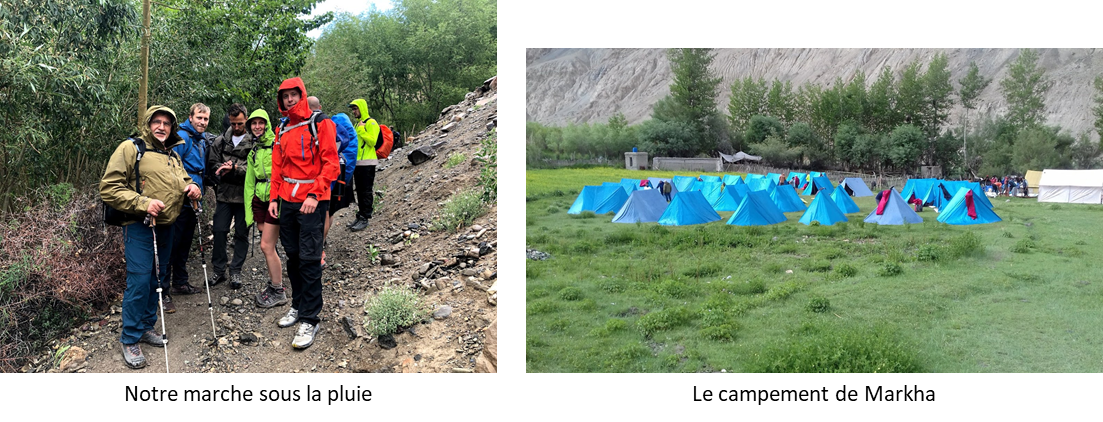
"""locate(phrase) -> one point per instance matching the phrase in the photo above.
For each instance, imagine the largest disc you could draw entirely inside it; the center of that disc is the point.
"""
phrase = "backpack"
(315, 117)
(385, 142)
(115, 217)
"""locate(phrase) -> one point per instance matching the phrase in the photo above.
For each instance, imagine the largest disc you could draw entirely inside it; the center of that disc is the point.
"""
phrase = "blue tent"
(896, 212)
(957, 212)
(818, 183)
(824, 210)
(643, 206)
(599, 199)
(711, 190)
(918, 187)
(688, 208)
(759, 183)
(683, 182)
(939, 195)
(707, 178)
(630, 185)
(800, 177)
(816, 174)
(787, 200)
(729, 198)
(741, 189)
(775, 177)
(858, 186)
(693, 187)
(843, 201)
(729, 179)
(756, 209)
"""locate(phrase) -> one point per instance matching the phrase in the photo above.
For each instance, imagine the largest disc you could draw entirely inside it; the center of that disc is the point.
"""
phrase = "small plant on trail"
(373, 253)
(392, 308)
(454, 159)
(488, 175)
(460, 210)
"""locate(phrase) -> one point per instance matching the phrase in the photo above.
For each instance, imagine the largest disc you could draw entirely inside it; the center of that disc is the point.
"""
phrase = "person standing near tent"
(228, 157)
(304, 163)
(665, 187)
(367, 135)
(164, 184)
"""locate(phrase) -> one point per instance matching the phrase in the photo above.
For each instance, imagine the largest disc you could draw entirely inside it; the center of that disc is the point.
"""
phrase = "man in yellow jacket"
(363, 177)
(164, 185)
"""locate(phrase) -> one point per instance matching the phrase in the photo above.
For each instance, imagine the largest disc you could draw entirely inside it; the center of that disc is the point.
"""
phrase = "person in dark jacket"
(193, 153)
(229, 161)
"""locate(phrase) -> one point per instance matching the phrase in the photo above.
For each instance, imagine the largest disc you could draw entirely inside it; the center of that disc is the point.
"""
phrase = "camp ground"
(978, 284)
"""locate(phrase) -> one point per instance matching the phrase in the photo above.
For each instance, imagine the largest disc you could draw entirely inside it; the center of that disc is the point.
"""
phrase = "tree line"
(70, 70)
(891, 122)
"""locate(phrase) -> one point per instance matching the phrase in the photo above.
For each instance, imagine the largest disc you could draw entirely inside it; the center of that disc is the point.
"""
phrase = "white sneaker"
(290, 319)
(305, 337)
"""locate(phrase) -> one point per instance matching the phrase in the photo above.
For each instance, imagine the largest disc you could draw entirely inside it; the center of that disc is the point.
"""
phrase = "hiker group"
(287, 177)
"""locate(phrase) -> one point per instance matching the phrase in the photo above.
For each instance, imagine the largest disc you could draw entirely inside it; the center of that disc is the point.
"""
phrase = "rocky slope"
(590, 85)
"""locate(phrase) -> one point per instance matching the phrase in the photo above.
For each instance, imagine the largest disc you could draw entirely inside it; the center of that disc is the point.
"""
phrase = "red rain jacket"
(295, 157)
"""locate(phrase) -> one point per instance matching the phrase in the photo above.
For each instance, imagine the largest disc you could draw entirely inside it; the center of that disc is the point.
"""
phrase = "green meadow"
(1021, 295)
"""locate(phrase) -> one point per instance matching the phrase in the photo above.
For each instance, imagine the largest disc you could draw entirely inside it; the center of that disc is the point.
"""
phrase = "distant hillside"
(590, 85)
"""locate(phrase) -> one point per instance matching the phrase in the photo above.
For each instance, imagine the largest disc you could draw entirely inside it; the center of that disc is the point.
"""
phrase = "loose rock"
(442, 312)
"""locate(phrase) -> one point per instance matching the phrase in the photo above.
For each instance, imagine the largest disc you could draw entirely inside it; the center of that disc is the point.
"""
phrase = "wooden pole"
(143, 87)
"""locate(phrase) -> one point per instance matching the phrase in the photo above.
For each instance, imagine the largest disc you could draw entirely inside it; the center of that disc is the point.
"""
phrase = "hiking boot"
(169, 307)
(132, 355)
(290, 319)
(359, 225)
(218, 279)
(235, 281)
(305, 337)
(152, 338)
(185, 289)
(272, 297)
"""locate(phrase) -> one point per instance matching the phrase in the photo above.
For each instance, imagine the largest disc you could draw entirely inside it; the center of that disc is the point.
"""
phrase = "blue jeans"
(140, 297)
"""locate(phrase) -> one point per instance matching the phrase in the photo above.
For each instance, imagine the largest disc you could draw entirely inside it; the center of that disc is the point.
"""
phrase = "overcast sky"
(355, 7)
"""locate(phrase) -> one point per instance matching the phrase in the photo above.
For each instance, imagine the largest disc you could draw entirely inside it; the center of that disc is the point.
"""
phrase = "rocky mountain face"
(590, 85)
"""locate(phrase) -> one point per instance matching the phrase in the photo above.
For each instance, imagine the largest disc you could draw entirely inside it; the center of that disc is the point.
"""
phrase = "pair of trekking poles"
(151, 222)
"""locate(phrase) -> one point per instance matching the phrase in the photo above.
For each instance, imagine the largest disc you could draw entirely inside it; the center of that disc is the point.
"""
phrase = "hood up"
(361, 105)
(300, 111)
(147, 135)
(268, 136)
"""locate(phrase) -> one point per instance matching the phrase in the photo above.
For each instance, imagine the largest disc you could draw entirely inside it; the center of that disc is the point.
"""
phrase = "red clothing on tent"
(970, 209)
(884, 201)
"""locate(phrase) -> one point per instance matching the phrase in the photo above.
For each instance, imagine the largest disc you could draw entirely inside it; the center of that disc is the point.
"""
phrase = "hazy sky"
(351, 6)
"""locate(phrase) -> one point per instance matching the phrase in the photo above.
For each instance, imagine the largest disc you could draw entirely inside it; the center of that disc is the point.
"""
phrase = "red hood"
(300, 111)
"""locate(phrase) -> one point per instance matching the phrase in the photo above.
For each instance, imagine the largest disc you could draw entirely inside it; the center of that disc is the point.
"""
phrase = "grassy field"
(1022, 295)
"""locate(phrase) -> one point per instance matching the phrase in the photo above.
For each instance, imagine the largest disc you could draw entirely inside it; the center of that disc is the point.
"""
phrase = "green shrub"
(774, 268)
(707, 270)
(849, 350)
(392, 308)
(819, 304)
(846, 270)
(611, 326)
(719, 333)
(663, 320)
(928, 252)
(552, 210)
(454, 159)
(612, 285)
(816, 265)
(674, 289)
(570, 293)
(1023, 246)
(583, 214)
(966, 244)
(890, 269)
(1007, 234)
(583, 247)
(750, 287)
(1081, 242)
(460, 211)
(559, 324)
(623, 237)
(538, 307)
(488, 174)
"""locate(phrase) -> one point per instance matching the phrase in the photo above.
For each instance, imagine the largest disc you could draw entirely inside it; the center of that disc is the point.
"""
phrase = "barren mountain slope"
(590, 85)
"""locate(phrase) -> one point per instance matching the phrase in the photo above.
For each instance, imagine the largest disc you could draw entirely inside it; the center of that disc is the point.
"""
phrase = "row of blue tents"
(763, 203)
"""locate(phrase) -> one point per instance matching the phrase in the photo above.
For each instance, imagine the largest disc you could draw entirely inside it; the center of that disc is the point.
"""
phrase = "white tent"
(1072, 186)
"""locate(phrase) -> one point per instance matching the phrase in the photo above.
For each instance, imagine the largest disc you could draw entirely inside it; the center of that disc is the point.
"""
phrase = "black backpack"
(115, 217)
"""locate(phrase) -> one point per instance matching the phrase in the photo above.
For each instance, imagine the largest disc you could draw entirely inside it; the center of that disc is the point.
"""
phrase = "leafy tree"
(846, 139)
(854, 99)
(1097, 110)
(748, 99)
(882, 102)
(669, 138)
(1038, 147)
(1024, 88)
(781, 102)
(692, 98)
(773, 149)
(801, 135)
(911, 96)
(1085, 154)
(971, 86)
(618, 121)
(905, 144)
(937, 91)
(762, 126)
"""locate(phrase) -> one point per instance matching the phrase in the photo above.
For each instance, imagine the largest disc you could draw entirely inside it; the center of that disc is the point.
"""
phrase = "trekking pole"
(152, 223)
(198, 205)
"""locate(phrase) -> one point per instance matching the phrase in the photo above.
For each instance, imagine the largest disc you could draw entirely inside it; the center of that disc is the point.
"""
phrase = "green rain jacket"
(259, 165)
(163, 174)
(367, 134)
